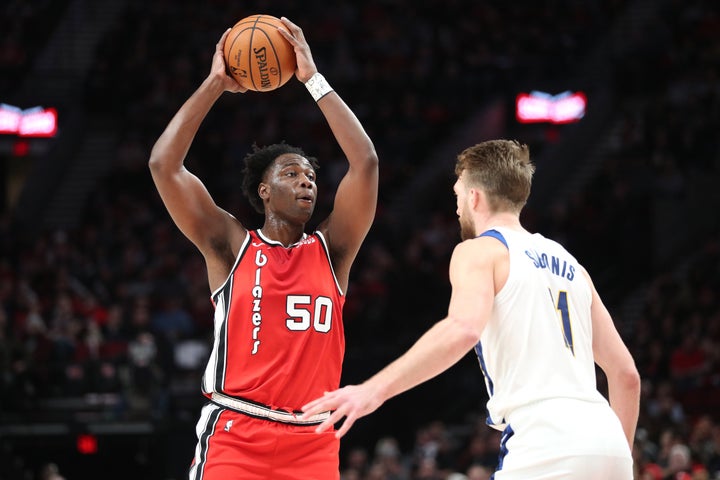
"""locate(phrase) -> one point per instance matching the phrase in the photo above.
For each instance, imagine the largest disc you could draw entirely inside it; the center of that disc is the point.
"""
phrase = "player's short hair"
(502, 168)
(256, 165)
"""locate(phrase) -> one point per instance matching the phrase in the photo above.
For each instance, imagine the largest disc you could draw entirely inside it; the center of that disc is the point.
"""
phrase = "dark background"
(106, 318)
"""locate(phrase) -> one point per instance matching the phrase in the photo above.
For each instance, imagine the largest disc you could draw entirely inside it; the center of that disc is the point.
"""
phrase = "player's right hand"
(218, 70)
(350, 402)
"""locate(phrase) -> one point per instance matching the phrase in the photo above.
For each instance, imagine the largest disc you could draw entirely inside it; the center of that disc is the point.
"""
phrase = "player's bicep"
(191, 207)
(354, 207)
(473, 291)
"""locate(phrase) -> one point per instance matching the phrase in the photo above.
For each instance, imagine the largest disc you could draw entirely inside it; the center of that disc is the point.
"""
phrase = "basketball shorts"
(232, 445)
(564, 439)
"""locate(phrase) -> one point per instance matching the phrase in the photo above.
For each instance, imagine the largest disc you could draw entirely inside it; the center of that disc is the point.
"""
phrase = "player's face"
(291, 187)
(467, 229)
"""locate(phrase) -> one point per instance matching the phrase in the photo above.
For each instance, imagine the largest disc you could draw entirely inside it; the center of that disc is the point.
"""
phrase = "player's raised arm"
(356, 196)
(185, 197)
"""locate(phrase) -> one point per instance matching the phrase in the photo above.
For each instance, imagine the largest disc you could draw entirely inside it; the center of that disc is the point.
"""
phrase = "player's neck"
(282, 233)
(501, 219)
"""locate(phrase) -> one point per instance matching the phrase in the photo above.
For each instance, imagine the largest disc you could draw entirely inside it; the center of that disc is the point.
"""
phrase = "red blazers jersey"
(279, 337)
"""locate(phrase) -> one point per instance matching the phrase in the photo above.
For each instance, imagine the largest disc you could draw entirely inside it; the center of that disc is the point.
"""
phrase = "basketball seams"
(258, 20)
(255, 19)
(250, 44)
(255, 22)
(277, 56)
(229, 49)
(255, 29)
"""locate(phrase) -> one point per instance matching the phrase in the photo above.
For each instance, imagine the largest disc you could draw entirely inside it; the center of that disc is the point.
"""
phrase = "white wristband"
(318, 86)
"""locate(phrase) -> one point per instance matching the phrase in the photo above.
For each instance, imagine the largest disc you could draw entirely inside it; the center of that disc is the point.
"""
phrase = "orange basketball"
(257, 55)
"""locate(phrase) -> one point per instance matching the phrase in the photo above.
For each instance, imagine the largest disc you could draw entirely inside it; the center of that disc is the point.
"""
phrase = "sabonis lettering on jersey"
(556, 265)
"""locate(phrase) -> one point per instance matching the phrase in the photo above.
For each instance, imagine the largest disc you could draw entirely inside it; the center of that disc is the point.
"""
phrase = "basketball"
(257, 56)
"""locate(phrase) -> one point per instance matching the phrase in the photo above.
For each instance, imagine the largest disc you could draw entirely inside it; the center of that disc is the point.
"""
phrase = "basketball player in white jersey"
(535, 320)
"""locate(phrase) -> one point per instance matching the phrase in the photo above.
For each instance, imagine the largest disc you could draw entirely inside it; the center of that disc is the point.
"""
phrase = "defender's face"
(467, 228)
(289, 187)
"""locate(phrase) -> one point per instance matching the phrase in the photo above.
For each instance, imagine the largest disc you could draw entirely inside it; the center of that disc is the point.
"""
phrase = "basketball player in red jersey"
(278, 292)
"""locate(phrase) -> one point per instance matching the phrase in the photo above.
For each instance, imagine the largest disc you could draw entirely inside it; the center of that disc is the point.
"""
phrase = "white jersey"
(538, 343)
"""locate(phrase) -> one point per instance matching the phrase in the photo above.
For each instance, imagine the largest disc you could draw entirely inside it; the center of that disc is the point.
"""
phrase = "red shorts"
(232, 445)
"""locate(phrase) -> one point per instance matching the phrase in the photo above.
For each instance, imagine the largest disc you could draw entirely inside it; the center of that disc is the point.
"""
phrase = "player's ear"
(475, 196)
(263, 190)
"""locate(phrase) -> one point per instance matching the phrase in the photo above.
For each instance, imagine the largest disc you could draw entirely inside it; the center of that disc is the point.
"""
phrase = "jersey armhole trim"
(496, 235)
(243, 249)
(502, 295)
(323, 242)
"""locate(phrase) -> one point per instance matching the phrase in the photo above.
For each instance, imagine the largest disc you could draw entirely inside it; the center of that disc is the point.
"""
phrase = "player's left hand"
(305, 64)
(351, 402)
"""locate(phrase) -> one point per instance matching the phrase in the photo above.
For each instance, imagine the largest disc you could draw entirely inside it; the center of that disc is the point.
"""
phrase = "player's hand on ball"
(219, 70)
(305, 64)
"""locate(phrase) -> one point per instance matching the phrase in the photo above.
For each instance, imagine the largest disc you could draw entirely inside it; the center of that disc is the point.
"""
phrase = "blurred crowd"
(26, 27)
(115, 311)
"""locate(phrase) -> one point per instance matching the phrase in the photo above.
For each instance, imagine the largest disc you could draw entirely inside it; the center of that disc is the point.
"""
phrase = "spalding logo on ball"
(257, 56)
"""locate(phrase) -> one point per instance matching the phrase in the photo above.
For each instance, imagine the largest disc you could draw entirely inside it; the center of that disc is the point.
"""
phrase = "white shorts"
(564, 439)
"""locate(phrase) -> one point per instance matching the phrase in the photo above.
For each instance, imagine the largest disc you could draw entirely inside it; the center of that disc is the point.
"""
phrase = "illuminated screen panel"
(541, 107)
